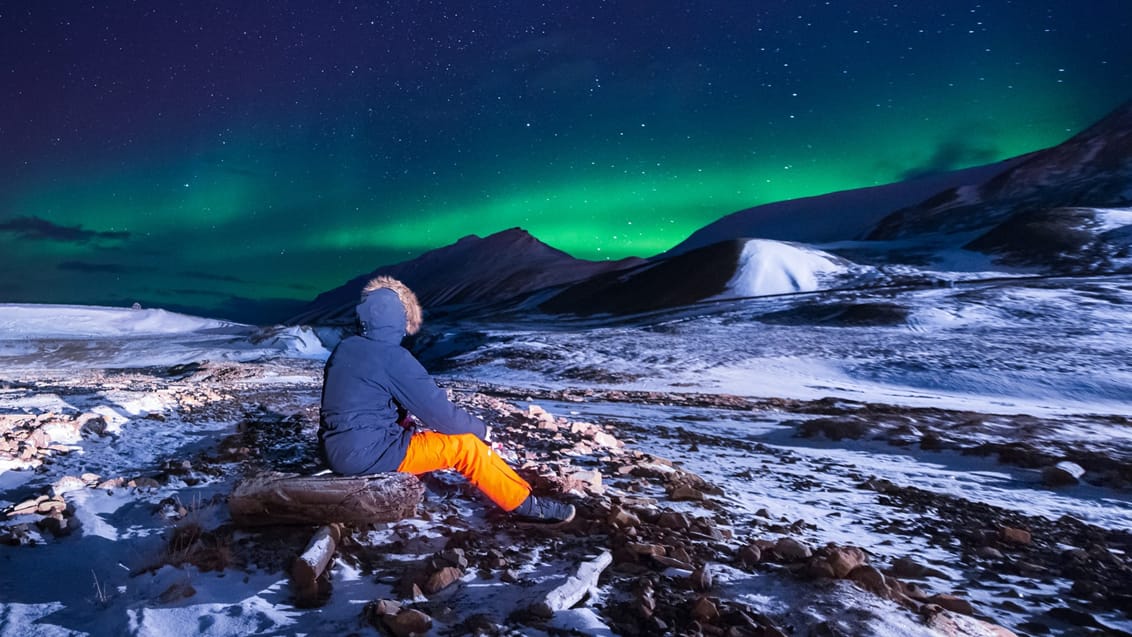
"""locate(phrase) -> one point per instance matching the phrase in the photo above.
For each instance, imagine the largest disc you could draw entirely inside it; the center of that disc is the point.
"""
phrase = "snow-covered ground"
(974, 364)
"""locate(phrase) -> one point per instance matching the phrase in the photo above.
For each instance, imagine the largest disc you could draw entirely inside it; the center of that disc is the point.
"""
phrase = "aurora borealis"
(235, 158)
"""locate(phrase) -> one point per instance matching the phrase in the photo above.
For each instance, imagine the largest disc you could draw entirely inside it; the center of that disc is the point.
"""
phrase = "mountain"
(727, 269)
(836, 216)
(1060, 210)
(472, 270)
(1091, 169)
(1062, 240)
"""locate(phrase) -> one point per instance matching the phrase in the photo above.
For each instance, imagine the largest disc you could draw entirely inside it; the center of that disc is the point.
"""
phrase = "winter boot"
(543, 511)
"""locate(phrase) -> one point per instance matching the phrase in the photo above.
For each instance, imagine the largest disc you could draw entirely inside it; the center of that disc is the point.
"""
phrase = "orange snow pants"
(432, 451)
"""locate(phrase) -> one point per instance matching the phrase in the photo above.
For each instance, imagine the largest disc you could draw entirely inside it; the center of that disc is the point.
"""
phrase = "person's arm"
(417, 392)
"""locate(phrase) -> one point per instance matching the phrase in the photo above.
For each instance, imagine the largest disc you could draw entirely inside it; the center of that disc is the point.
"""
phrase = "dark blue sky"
(214, 155)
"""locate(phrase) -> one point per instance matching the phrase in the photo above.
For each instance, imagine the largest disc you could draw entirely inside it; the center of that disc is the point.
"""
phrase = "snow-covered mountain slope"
(18, 321)
(1014, 345)
(41, 336)
(472, 270)
(776, 267)
(1091, 169)
(836, 216)
(728, 269)
(1067, 240)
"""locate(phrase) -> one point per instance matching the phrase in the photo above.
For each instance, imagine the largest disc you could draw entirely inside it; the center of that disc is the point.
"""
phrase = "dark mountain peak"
(1091, 169)
(472, 270)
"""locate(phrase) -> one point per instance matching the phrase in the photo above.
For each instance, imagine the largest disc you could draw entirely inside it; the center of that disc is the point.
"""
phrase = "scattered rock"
(750, 554)
(442, 579)
(701, 578)
(952, 603)
(623, 518)
(684, 492)
(408, 622)
(1014, 536)
(791, 550)
(1062, 474)
(837, 561)
(705, 610)
(908, 567)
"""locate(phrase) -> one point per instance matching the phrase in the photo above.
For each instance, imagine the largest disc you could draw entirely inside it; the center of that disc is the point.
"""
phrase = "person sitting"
(371, 386)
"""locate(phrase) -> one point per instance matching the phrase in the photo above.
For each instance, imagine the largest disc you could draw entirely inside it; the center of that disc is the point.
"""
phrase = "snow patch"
(18, 321)
(1107, 219)
(774, 267)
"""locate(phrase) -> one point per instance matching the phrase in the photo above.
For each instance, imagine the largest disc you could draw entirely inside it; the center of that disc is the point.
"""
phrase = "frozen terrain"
(918, 424)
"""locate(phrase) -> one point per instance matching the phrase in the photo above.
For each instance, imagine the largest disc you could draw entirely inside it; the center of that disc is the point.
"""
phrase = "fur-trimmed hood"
(388, 310)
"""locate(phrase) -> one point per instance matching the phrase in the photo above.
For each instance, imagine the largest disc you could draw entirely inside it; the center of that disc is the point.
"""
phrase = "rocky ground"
(658, 546)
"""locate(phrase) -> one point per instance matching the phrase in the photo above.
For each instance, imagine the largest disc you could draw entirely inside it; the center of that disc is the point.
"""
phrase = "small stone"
(701, 578)
(144, 483)
(92, 423)
(952, 603)
(623, 518)
(870, 579)
(496, 559)
(442, 579)
(672, 562)
(408, 622)
(112, 483)
(792, 550)
(989, 553)
(673, 520)
(90, 479)
(908, 567)
(843, 559)
(590, 480)
(680, 553)
(454, 557)
(750, 554)
(646, 549)
(1062, 474)
(382, 607)
(1015, 536)
(605, 440)
(686, 493)
(705, 610)
(67, 484)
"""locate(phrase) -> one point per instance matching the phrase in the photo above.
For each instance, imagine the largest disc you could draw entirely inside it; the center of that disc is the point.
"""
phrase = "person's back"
(371, 384)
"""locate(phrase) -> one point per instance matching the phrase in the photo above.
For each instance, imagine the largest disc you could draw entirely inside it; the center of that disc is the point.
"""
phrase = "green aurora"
(284, 199)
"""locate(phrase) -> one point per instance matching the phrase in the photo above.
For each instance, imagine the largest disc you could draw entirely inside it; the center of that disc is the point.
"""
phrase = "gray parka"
(370, 382)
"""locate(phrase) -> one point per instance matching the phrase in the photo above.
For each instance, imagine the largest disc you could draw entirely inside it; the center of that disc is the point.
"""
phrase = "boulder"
(1062, 474)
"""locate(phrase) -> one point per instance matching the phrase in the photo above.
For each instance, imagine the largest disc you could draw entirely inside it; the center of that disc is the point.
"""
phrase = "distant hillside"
(837, 216)
(727, 269)
(472, 270)
(1093, 169)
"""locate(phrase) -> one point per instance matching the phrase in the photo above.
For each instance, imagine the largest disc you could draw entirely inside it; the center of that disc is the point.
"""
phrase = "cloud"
(212, 277)
(953, 154)
(85, 266)
(38, 229)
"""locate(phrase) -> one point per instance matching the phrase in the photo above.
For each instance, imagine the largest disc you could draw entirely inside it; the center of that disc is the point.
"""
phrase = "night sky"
(228, 156)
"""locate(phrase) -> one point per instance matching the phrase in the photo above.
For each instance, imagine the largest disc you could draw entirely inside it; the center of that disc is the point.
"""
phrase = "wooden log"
(280, 498)
(312, 563)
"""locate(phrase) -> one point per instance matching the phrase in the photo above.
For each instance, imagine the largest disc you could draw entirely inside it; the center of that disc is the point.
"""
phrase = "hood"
(381, 316)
